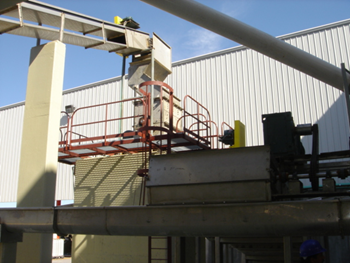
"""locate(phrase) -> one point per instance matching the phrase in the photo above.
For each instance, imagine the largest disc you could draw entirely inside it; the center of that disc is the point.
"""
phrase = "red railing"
(97, 125)
(200, 118)
(214, 143)
(72, 136)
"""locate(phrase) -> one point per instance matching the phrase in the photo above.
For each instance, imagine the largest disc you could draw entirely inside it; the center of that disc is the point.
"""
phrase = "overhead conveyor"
(42, 21)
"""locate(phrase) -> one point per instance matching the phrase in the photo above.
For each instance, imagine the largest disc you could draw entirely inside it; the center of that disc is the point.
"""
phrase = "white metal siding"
(10, 145)
(241, 84)
(234, 84)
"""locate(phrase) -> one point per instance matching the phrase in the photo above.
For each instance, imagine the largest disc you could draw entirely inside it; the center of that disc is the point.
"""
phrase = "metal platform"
(190, 131)
(179, 142)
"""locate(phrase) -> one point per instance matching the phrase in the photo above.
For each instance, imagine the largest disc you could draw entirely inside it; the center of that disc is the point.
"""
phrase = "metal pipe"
(253, 38)
(209, 250)
(273, 219)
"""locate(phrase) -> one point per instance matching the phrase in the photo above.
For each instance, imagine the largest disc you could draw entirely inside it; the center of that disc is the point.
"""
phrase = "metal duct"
(253, 38)
(274, 219)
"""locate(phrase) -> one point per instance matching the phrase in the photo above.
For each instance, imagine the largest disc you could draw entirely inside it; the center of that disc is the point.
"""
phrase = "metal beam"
(270, 219)
(253, 38)
(8, 4)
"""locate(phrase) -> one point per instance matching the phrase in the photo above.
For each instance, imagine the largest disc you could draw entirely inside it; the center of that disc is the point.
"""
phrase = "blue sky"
(275, 17)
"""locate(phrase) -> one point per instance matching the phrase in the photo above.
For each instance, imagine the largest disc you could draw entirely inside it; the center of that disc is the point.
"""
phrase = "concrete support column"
(38, 163)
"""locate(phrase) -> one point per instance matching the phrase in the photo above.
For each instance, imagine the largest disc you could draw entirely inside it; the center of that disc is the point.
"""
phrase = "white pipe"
(269, 219)
(253, 38)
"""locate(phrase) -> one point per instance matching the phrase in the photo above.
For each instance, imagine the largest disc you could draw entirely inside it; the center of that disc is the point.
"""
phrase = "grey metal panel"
(229, 165)
(226, 192)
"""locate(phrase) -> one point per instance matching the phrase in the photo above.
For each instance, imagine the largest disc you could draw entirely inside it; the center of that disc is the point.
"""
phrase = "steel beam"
(8, 4)
(270, 219)
(253, 38)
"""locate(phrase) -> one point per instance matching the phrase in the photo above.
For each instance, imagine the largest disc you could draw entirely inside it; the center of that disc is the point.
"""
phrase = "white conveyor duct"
(253, 38)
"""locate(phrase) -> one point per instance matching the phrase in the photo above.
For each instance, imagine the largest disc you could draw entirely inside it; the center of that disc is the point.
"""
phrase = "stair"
(159, 249)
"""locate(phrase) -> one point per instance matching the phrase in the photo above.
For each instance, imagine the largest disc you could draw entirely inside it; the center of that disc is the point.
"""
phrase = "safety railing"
(161, 114)
(199, 121)
(213, 137)
(79, 131)
(96, 129)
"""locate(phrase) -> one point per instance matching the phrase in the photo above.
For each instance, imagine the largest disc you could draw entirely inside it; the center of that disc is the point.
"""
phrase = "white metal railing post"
(20, 14)
(62, 26)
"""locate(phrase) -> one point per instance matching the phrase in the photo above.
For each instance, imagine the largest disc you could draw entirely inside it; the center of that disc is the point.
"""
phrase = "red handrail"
(216, 135)
(201, 111)
(71, 125)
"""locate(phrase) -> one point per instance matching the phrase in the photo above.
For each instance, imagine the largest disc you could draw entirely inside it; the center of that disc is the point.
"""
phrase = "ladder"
(159, 249)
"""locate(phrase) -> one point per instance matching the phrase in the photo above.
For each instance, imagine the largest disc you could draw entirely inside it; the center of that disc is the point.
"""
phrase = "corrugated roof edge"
(283, 37)
(14, 105)
(86, 86)
(216, 53)
(93, 84)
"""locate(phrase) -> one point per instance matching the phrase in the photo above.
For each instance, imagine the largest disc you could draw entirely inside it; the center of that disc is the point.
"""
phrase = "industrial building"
(249, 87)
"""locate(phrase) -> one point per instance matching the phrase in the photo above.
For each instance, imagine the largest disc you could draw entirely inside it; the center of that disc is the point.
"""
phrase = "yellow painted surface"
(118, 20)
(110, 181)
(239, 136)
(38, 159)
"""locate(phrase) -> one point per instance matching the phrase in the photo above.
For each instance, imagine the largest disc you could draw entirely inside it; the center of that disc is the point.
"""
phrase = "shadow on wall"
(64, 120)
(36, 247)
(333, 133)
(40, 194)
(108, 181)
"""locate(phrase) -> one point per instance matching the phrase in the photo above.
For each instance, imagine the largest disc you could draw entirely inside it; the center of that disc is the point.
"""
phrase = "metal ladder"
(159, 249)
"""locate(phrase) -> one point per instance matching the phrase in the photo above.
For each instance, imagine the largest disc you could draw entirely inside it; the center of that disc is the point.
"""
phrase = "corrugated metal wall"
(11, 120)
(241, 84)
(234, 84)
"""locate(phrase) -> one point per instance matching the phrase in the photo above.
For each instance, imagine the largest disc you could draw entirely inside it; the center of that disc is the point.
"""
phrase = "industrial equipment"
(188, 179)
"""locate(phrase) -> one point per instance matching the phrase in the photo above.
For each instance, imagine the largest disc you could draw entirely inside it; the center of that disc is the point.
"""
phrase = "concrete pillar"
(38, 163)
